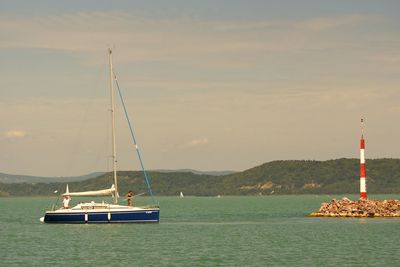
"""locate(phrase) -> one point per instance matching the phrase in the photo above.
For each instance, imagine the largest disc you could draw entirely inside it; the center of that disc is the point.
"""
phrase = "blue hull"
(144, 216)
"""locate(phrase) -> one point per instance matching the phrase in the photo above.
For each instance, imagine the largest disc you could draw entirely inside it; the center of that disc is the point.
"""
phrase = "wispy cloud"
(166, 39)
(190, 144)
(388, 59)
(197, 142)
(334, 22)
(14, 134)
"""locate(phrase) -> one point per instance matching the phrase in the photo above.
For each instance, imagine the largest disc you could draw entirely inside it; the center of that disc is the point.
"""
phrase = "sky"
(209, 85)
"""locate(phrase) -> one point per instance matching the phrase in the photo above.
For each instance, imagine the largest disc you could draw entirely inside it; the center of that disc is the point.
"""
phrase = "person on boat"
(129, 197)
(66, 201)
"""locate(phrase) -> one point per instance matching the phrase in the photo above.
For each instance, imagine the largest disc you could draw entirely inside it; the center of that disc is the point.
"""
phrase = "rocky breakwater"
(360, 208)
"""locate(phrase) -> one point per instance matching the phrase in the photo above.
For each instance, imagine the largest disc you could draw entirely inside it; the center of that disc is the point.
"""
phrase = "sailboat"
(181, 194)
(94, 212)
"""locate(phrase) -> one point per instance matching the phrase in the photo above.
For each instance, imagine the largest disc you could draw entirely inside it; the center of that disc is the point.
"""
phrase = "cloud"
(198, 142)
(329, 23)
(388, 59)
(180, 38)
(15, 134)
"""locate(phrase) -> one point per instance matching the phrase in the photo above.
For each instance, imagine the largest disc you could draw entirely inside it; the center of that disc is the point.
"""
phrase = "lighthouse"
(363, 184)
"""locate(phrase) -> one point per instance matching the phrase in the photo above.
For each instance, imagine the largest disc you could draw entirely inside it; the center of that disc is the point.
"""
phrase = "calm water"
(196, 231)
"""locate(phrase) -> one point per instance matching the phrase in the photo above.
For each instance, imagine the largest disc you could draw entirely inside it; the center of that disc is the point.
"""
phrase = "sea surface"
(202, 231)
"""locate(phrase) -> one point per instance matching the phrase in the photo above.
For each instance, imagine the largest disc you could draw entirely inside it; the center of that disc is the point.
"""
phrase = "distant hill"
(213, 173)
(315, 177)
(13, 178)
(340, 176)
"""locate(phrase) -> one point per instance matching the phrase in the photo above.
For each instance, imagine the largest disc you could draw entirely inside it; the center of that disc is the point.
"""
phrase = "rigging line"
(58, 192)
(134, 140)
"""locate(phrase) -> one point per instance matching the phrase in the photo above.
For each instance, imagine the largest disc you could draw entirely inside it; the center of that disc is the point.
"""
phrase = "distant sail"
(181, 194)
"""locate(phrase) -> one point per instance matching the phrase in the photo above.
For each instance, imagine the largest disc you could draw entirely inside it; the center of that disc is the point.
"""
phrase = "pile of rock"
(360, 208)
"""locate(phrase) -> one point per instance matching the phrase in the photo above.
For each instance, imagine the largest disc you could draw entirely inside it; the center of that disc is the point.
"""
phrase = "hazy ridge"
(276, 177)
(14, 178)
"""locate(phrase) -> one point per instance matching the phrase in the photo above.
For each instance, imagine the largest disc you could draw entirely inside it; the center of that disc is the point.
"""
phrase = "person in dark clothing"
(129, 197)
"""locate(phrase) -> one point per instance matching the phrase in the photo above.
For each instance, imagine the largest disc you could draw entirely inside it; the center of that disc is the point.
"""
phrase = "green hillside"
(278, 177)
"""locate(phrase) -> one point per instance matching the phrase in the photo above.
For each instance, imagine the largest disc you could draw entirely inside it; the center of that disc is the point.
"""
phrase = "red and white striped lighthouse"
(363, 184)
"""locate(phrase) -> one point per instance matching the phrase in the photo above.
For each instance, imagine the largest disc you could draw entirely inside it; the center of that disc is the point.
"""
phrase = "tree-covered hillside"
(278, 177)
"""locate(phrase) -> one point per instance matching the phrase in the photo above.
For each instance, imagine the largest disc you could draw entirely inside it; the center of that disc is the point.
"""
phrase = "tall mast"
(114, 155)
